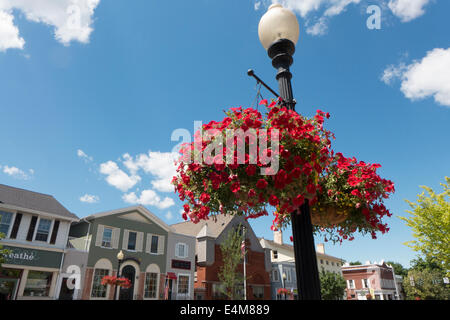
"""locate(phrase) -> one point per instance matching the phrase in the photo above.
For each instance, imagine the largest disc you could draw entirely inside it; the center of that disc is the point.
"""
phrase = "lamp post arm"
(251, 73)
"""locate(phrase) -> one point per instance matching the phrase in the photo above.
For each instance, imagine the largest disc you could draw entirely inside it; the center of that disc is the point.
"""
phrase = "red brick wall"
(255, 270)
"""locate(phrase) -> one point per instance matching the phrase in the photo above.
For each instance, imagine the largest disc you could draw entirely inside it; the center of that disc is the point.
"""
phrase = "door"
(170, 289)
(128, 272)
(66, 293)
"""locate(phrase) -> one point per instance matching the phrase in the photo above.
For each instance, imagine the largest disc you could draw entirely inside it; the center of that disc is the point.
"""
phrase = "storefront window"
(150, 285)
(38, 284)
(99, 290)
(5, 221)
(43, 230)
(258, 292)
(183, 284)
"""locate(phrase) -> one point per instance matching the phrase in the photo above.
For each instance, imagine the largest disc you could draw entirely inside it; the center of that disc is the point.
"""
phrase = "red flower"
(273, 200)
(311, 189)
(205, 198)
(261, 184)
(235, 187)
(250, 170)
(251, 193)
(298, 200)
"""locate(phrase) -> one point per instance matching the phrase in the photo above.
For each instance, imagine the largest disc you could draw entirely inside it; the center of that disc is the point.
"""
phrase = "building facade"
(370, 280)
(158, 262)
(209, 235)
(35, 228)
(283, 264)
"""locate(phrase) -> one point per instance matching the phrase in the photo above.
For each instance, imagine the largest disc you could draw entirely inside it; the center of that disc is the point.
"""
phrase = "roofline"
(139, 208)
(43, 213)
(290, 247)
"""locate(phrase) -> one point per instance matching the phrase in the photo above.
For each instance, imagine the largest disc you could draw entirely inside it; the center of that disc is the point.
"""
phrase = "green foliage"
(426, 284)
(398, 268)
(231, 280)
(430, 223)
(3, 252)
(332, 285)
(355, 263)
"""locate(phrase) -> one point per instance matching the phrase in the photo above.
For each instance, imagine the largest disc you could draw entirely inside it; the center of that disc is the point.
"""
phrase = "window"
(5, 221)
(43, 230)
(106, 239)
(288, 273)
(151, 280)
(132, 240)
(327, 262)
(321, 261)
(183, 284)
(258, 292)
(275, 254)
(275, 276)
(332, 263)
(38, 284)
(154, 245)
(351, 284)
(181, 250)
(99, 290)
(365, 283)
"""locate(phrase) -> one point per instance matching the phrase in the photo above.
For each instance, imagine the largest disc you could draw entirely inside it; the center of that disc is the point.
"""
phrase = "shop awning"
(171, 275)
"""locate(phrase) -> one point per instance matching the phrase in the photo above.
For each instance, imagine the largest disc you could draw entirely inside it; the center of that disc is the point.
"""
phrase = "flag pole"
(245, 275)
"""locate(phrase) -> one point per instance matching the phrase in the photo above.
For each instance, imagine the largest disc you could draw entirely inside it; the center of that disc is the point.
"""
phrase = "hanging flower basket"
(284, 291)
(278, 165)
(328, 216)
(115, 281)
(350, 199)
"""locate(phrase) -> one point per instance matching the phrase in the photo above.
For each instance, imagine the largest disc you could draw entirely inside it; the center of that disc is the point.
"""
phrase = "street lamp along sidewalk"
(278, 32)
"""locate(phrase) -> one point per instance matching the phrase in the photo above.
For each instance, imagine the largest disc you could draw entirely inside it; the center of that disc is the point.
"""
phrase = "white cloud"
(16, 172)
(81, 154)
(9, 33)
(158, 164)
(393, 72)
(407, 10)
(72, 19)
(319, 28)
(148, 197)
(118, 178)
(429, 77)
(169, 215)
(88, 198)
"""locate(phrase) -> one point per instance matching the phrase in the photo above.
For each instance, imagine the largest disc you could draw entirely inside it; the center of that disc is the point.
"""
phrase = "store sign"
(179, 264)
(32, 257)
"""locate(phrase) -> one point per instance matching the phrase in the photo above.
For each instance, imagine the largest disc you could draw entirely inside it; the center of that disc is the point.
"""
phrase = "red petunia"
(273, 200)
(205, 198)
(250, 170)
(235, 187)
(261, 184)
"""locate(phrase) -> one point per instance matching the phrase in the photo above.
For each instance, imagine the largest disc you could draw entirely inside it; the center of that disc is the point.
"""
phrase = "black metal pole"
(308, 281)
(118, 276)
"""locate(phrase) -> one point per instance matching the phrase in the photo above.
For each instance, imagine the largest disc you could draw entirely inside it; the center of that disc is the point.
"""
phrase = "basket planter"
(328, 217)
(279, 166)
(116, 281)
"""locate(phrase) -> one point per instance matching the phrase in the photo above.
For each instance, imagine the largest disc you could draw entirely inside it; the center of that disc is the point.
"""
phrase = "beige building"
(282, 252)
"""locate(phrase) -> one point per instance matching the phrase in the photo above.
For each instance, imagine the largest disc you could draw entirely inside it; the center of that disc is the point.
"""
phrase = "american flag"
(243, 247)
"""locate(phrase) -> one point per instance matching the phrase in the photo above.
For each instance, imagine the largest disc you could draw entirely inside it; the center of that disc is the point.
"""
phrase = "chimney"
(320, 248)
(278, 237)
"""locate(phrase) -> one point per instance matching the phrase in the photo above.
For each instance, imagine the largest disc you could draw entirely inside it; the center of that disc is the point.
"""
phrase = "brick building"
(210, 234)
(376, 279)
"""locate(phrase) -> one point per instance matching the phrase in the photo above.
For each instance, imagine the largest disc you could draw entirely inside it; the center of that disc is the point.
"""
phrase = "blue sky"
(88, 111)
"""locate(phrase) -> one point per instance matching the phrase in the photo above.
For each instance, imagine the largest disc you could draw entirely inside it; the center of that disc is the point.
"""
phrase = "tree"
(398, 268)
(3, 252)
(229, 276)
(426, 284)
(430, 222)
(332, 285)
(355, 263)
(425, 280)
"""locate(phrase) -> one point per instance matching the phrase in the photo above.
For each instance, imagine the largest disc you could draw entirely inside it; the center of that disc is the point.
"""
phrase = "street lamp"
(119, 261)
(278, 32)
(284, 283)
